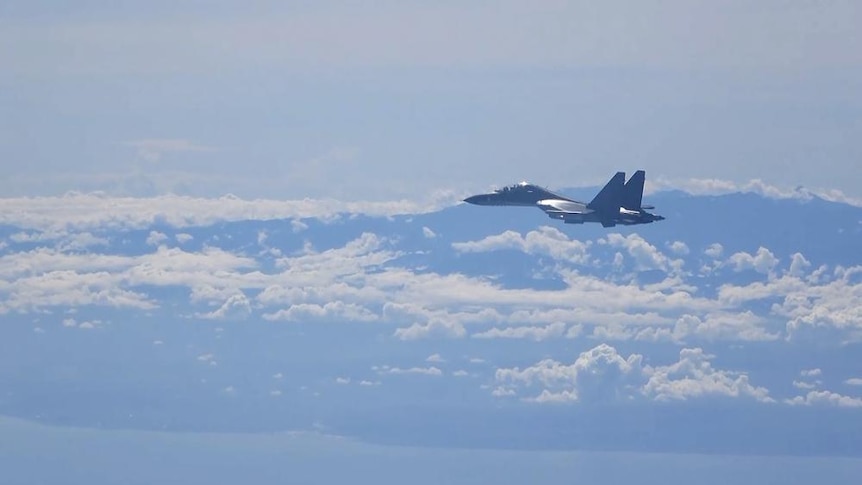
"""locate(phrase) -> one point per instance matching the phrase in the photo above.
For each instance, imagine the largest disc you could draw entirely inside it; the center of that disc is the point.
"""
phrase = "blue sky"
(401, 99)
(230, 233)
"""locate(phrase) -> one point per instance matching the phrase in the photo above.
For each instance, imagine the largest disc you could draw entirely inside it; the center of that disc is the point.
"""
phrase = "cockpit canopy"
(520, 187)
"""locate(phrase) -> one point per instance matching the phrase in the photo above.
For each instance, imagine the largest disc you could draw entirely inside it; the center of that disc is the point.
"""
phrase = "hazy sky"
(382, 100)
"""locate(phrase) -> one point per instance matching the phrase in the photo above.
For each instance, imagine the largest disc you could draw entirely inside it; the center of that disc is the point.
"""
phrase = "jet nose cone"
(477, 199)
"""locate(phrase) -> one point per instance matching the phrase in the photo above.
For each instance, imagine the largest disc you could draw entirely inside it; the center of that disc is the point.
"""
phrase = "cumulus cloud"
(798, 265)
(714, 250)
(763, 262)
(693, 376)
(435, 358)
(428, 233)
(332, 311)
(545, 241)
(679, 247)
(155, 238)
(646, 256)
(602, 374)
(825, 398)
(598, 373)
(745, 326)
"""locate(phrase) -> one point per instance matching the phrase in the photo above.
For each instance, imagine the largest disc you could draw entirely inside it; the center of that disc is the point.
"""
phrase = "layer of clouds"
(81, 211)
(361, 282)
(696, 186)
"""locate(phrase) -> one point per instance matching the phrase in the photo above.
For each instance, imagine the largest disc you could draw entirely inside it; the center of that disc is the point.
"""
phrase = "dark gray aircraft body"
(619, 202)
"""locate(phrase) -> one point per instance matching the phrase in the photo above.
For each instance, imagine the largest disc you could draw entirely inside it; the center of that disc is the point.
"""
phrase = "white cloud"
(342, 380)
(360, 281)
(503, 392)
(594, 372)
(64, 239)
(155, 238)
(810, 372)
(798, 265)
(825, 398)
(336, 310)
(434, 328)
(183, 237)
(646, 256)
(547, 241)
(428, 371)
(79, 211)
(854, 381)
(547, 396)
(744, 326)
(428, 233)
(602, 374)
(237, 306)
(806, 303)
(679, 247)
(553, 330)
(714, 250)
(460, 373)
(435, 358)
(208, 358)
(694, 376)
(763, 262)
(696, 186)
(804, 385)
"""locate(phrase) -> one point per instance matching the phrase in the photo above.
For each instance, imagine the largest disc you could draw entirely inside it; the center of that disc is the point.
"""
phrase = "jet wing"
(559, 206)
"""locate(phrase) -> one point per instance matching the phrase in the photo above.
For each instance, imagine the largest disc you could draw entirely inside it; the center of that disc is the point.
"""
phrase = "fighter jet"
(616, 203)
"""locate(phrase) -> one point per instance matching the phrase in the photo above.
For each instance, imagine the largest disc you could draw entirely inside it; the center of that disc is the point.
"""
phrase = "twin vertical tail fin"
(633, 191)
(608, 199)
